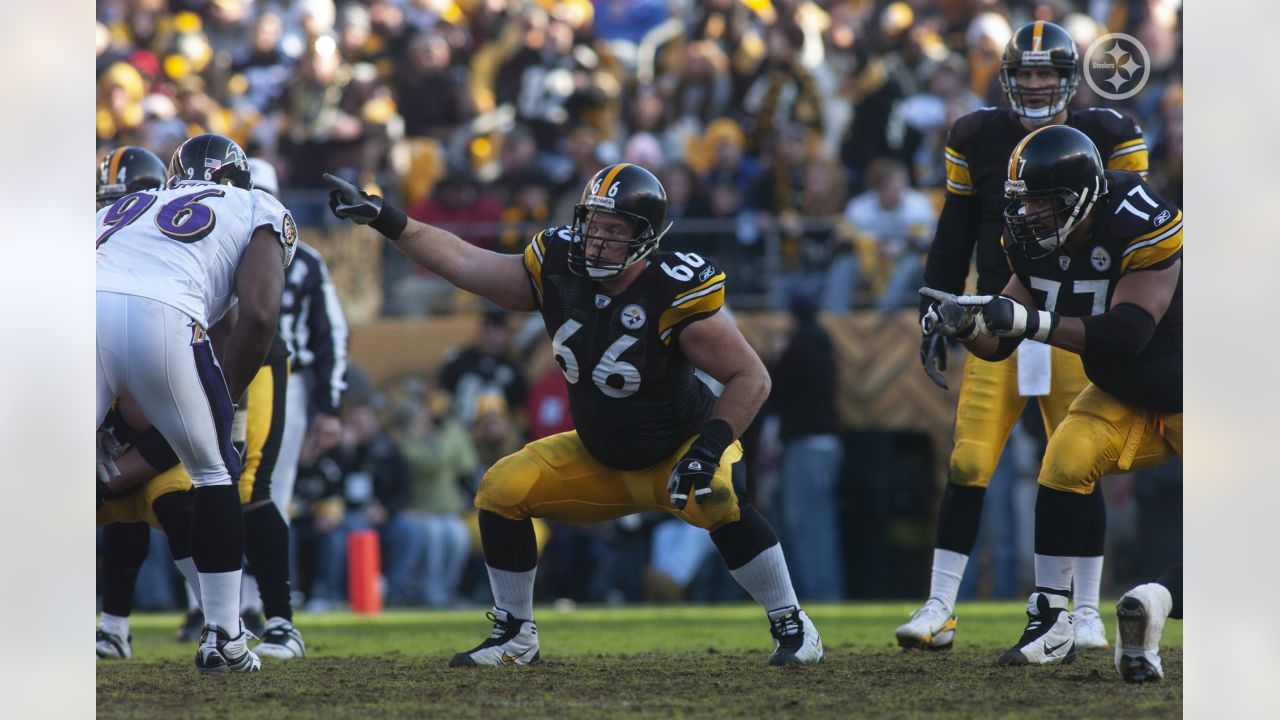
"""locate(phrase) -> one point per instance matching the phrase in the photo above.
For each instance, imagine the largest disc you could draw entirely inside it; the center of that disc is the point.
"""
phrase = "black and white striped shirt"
(314, 327)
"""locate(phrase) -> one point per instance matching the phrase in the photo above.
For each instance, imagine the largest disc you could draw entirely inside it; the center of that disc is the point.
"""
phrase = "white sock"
(114, 624)
(1054, 572)
(220, 593)
(766, 579)
(187, 567)
(249, 598)
(513, 591)
(1088, 583)
(948, 570)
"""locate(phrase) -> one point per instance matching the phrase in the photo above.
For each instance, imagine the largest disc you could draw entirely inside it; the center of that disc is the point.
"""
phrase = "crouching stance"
(628, 327)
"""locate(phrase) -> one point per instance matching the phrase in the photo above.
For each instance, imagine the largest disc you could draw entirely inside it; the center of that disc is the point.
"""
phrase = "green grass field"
(703, 661)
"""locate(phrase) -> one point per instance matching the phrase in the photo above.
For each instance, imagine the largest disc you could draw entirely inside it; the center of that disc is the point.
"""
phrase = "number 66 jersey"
(1134, 229)
(181, 245)
(633, 395)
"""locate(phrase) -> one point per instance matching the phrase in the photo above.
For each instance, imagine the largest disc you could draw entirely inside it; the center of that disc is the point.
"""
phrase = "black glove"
(951, 315)
(349, 202)
(1006, 317)
(933, 356)
(695, 470)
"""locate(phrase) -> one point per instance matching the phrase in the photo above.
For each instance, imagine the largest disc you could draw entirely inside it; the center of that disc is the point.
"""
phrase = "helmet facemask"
(595, 263)
(1055, 96)
(1040, 233)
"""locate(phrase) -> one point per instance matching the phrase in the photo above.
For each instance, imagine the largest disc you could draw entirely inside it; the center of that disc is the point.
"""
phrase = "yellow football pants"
(990, 405)
(1104, 435)
(557, 479)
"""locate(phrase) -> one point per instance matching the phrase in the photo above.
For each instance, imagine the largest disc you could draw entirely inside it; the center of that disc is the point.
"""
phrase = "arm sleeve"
(327, 340)
(1123, 330)
(1130, 149)
(690, 304)
(956, 233)
(267, 211)
(534, 255)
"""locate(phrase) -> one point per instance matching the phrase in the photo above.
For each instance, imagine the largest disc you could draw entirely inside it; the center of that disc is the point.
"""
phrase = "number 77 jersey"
(1134, 229)
(182, 245)
(633, 395)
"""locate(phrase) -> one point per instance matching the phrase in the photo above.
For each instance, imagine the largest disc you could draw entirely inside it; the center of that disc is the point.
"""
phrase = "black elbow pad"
(1123, 330)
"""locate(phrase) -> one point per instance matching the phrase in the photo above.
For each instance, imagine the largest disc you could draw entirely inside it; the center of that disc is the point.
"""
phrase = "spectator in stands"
(528, 209)
(805, 386)
(431, 94)
(893, 227)
(440, 456)
(378, 487)
(332, 118)
(484, 367)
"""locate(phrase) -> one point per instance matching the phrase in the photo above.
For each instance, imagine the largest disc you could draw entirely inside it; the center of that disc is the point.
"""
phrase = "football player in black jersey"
(628, 326)
(1096, 261)
(1039, 73)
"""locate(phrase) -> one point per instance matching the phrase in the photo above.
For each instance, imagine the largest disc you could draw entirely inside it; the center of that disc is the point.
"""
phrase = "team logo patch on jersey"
(632, 317)
(289, 229)
(1161, 219)
(602, 301)
(1064, 262)
(1100, 258)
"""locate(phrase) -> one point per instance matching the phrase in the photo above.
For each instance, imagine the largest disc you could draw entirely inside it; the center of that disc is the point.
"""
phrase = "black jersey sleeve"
(1149, 224)
(694, 292)
(534, 255)
(1128, 146)
(947, 264)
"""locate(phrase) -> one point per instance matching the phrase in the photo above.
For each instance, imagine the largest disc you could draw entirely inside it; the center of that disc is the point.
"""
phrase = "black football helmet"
(622, 189)
(127, 170)
(1055, 177)
(210, 157)
(1040, 44)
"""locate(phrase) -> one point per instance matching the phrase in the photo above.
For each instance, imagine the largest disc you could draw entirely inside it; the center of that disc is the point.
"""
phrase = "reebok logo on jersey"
(602, 301)
(1161, 219)
(706, 274)
(1064, 262)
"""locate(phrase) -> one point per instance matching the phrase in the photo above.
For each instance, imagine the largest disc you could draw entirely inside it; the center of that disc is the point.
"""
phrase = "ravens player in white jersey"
(1096, 260)
(169, 262)
(628, 326)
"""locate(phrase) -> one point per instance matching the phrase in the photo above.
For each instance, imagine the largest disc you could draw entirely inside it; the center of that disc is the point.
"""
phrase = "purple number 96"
(124, 211)
(183, 218)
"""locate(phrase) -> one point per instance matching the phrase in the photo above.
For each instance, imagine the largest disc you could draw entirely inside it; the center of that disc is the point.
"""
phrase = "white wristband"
(1046, 326)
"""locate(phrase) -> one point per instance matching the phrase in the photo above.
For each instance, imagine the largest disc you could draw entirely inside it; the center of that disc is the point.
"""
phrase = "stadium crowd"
(800, 143)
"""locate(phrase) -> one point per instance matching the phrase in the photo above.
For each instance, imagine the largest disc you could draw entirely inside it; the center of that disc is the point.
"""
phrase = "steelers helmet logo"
(1100, 258)
(633, 317)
